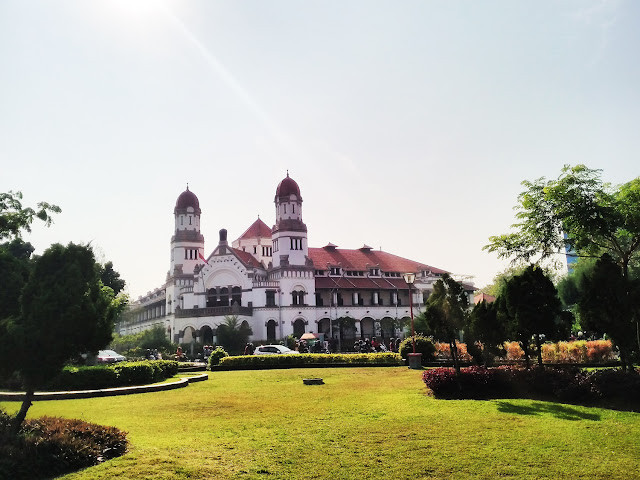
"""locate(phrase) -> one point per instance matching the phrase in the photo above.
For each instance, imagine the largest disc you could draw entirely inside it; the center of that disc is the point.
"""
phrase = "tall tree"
(111, 278)
(531, 305)
(64, 311)
(608, 303)
(580, 212)
(485, 332)
(445, 314)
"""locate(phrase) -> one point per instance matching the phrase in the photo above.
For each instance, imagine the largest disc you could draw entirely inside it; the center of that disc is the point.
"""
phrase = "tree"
(608, 303)
(111, 278)
(580, 212)
(64, 311)
(532, 308)
(232, 334)
(14, 218)
(485, 332)
(445, 314)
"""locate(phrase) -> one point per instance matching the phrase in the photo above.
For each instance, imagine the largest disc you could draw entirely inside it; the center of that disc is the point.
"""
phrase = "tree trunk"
(22, 414)
(525, 349)
(539, 347)
(454, 355)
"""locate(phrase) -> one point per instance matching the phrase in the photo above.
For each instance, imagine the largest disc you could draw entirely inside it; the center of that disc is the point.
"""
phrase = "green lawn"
(363, 423)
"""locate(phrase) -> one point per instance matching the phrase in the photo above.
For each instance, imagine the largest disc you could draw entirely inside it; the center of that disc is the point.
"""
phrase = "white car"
(273, 350)
(109, 356)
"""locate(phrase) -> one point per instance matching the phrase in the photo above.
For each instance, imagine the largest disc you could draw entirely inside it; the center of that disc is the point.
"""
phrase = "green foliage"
(308, 359)
(610, 302)
(445, 313)
(121, 374)
(424, 345)
(14, 218)
(216, 355)
(48, 447)
(486, 333)
(233, 335)
(135, 345)
(531, 308)
(110, 278)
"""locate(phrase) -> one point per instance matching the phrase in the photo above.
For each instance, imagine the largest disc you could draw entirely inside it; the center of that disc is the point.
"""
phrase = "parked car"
(273, 350)
(109, 356)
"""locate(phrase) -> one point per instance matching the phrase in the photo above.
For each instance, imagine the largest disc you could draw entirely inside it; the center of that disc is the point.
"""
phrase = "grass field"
(363, 423)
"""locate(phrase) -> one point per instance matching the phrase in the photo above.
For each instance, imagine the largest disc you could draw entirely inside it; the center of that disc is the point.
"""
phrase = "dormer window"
(375, 272)
(335, 271)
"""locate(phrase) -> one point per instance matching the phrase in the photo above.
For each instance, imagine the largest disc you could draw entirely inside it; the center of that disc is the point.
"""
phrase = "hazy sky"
(408, 125)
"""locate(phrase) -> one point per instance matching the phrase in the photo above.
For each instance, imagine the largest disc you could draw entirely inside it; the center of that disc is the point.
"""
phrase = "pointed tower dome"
(185, 200)
(287, 187)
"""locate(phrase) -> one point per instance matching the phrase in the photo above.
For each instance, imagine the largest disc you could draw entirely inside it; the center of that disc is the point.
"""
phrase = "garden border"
(105, 392)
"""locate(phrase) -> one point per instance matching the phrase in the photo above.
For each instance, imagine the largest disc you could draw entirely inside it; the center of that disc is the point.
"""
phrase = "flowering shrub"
(444, 351)
(567, 385)
(48, 447)
(579, 351)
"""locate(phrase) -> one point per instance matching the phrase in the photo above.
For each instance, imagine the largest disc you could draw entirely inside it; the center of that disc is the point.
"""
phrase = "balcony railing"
(213, 311)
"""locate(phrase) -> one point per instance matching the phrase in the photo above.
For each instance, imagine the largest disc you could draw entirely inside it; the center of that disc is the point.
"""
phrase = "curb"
(104, 392)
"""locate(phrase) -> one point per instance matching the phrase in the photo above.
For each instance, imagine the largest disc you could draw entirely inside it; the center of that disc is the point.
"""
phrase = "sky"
(408, 125)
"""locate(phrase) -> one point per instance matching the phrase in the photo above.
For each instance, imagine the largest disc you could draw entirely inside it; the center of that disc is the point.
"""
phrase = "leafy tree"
(486, 333)
(344, 325)
(111, 278)
(532, 308)
(609, 303)
(64, 311)
(445, 314)
(497, 284)
(424, 345)
(233, 335)
(14, 218)
(580, 212)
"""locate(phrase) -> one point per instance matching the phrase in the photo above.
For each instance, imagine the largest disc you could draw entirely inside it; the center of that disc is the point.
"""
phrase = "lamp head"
(409, 278)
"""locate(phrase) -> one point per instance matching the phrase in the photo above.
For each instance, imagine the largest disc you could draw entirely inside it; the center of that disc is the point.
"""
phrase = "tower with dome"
(272, 280)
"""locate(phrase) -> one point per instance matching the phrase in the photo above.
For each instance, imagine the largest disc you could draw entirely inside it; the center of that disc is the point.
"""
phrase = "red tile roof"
(257, 229)
(246, 258)
(364, 259)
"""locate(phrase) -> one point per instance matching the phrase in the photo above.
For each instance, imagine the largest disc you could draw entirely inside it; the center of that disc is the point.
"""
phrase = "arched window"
(223, 299)
(271, 331)
(212, 298)
(236, 296)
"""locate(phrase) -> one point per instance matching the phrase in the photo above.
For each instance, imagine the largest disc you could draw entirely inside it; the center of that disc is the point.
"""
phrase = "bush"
(48, 447)
(292, 360)
(115, 375)
(566, 385)
(424, 345)
(215, 357)
(444, 351)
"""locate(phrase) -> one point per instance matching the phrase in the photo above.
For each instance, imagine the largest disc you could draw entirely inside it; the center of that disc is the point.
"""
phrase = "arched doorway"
(324, 326)
(236, 296)
(207, 335)
(298, 328)
(366, 328)
(223, 300)
(189, 335)
(271, 331)
(388, 328)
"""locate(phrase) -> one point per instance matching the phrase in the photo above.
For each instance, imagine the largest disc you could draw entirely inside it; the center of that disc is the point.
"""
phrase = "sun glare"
(137, 7)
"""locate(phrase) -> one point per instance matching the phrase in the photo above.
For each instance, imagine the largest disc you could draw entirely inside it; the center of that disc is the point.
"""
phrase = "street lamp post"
(415, 359)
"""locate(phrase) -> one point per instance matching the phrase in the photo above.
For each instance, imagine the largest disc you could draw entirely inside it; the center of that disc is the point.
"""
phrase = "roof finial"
(187, 186)
(287, 172)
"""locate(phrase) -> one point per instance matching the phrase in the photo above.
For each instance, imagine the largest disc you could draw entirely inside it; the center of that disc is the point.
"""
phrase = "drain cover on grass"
(312, 381)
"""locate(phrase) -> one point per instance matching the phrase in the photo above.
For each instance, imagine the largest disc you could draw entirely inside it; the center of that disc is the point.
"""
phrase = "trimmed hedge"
(424, 345)
(566, 385)
(216, 355)
(121, 374)
(292, 360)
(48, 447)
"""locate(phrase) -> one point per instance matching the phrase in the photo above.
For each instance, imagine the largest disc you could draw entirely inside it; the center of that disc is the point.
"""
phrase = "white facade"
(271, 279)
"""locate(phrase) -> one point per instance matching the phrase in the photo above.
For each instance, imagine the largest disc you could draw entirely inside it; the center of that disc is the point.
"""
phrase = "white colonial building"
(271, 279)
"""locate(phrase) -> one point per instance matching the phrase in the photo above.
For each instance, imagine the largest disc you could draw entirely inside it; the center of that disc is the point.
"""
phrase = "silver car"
(273, 350)
(109, 356)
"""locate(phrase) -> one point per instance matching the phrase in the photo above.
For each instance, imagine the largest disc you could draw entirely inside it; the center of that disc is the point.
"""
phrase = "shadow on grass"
(538, 408)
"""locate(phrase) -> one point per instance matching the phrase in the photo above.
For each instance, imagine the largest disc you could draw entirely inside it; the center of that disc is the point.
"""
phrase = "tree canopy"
(577, 211)
(14, 218)
(445, 313)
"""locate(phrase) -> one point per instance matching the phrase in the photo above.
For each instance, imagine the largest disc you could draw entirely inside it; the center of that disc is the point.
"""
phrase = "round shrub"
(424, 345)
(216, 356)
